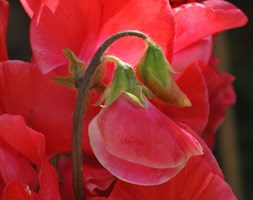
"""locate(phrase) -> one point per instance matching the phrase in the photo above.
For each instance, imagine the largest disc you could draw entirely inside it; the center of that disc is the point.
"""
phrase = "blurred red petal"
(221, 97)
(18, 191)
(49, 187)
(4, 11)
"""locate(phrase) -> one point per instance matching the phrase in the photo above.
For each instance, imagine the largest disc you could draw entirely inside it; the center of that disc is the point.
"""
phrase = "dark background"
(234, 147)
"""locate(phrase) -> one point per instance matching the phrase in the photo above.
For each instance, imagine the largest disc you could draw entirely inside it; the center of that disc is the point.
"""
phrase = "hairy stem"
(81, 106)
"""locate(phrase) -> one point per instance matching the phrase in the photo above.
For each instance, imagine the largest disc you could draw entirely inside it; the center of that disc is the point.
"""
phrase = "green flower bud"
(155, 72)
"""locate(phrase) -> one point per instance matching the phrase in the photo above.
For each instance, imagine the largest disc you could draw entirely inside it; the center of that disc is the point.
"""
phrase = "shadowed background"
(234, 148)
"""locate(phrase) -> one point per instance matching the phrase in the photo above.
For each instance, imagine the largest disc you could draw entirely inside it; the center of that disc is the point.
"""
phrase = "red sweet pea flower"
(3, 28)
(24, 169)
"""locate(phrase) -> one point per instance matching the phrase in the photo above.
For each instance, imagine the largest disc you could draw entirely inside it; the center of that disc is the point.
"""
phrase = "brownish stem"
(81, 106)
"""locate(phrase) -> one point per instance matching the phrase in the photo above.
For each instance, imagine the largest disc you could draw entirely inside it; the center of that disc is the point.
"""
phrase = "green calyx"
(76, 71)
(124, 81)
(155, 72)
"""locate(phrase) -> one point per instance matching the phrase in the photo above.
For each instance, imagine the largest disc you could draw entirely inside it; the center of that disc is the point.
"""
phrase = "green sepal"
(124, 81)
(155, 72)
(76, 70)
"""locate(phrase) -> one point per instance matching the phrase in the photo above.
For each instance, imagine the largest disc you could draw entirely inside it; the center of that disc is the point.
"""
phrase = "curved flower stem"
(81, 106)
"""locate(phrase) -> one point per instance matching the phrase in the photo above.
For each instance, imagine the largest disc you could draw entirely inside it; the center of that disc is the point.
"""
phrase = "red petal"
(151, 17)
(196, 21)
(200, 179)
(124, 146)
(4, 11)
(32, 145)
(81, 32)
(49, 188)
(221, 97)
(193, 84)
(15, 167)
(46, 107)
(17, 190)
(72, 25)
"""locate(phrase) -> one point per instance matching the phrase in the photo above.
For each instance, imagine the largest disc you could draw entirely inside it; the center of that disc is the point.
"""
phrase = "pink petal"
(124, 148)
(200, 179)
(196, 21)
(4, 11)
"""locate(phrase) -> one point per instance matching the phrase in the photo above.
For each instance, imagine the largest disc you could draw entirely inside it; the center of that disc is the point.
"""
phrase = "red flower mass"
(138, 146)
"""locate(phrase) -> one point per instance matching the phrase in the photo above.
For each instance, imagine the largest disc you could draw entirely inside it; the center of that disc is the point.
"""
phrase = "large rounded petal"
(143, 140)
(4, 11)
(82, 26)
(198, 20)
(200, 179)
